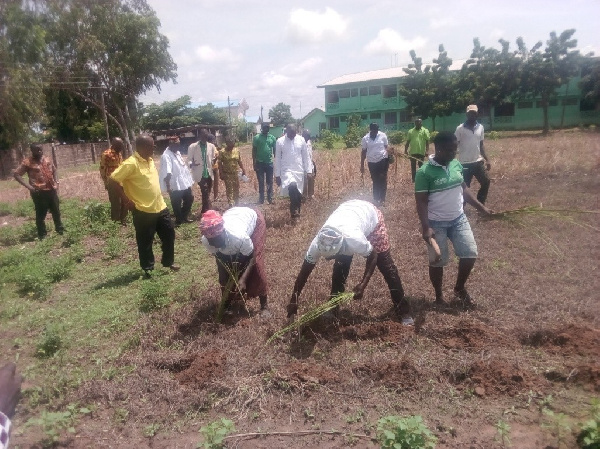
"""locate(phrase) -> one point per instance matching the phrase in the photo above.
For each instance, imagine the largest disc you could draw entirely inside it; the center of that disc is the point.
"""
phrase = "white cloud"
(206, 53)
(303, 66)
(306, 26)
(445, 22)
(274, 79)
(390, 41)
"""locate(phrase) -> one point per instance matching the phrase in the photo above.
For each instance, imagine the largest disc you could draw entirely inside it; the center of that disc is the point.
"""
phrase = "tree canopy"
(280, 115)
(179, 113)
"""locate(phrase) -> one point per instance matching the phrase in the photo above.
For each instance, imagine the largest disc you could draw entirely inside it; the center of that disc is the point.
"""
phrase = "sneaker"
(174, 267)
(464, 297)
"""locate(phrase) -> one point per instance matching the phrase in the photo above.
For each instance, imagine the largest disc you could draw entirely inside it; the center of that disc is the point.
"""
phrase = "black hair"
(444, 137)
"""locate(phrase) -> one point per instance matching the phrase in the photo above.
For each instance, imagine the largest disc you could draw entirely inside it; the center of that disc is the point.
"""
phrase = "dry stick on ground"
(298, 432)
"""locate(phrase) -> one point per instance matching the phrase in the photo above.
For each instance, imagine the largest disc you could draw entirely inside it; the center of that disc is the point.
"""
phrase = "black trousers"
(413, 164)
(205, 188)
(478, 170)
(182, 201)
(295, 200)
(385, 264)
(44, 201)
(146, 225)
(379, 171)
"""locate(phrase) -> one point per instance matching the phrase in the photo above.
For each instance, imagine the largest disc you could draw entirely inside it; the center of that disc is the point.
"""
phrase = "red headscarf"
(211, 224)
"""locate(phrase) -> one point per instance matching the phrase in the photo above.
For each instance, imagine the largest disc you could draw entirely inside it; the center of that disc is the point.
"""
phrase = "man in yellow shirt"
(417, 139)
(137, 182)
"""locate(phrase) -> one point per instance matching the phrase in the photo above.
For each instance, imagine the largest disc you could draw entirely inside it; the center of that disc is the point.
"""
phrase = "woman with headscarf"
(355, 227)
(237, 240)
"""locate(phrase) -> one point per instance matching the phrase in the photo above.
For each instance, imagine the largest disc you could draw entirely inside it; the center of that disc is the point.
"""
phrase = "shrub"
(113, 247)
(59, 269)
(353, 133)
(493, 135)
(589, 436)
(155, 296)
(33, 284)
(328, 138)
(394, 432)
(8, 236)
(397, 137)
(28, 232)
(50, 344)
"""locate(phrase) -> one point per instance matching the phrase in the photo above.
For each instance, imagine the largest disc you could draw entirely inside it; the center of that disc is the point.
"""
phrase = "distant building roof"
(393, 72)
(314, 111)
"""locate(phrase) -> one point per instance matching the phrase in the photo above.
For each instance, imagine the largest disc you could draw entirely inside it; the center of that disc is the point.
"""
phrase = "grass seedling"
(214, 433)
(503, 433)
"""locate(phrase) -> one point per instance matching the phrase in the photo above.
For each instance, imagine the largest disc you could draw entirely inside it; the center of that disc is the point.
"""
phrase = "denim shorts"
(458, 231)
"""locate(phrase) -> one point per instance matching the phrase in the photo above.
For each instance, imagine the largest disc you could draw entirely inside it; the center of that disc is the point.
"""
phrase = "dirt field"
(532, 343)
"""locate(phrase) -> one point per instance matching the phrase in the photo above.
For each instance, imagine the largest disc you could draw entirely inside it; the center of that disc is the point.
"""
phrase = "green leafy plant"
(151, 430)
(54, 423)
(33, 284)
(59, 269)
(395, 432)
(214, 433)
(396, 137)
(5, 209)
(558, 425)
(113, 247)
(155, 295)
(589, 435)
(503, 430)
(328, 138)
(353, 132)
(50, 344)
(493, 135)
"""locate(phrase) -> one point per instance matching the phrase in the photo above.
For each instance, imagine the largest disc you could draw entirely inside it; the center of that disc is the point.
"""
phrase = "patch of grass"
(59, 269)
(154, 295)
(34, 285)
(23, 208)
(5, 209)
(113, 247)
(50, 343)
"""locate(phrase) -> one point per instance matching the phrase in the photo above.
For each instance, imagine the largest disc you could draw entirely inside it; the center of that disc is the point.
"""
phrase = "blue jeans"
(264, 170)
(458, 231)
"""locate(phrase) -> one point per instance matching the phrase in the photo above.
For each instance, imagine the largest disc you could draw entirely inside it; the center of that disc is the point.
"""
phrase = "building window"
(354, 92)
(553, 102)
(525, 104)
(390, 118)
(364, 91)
(376, 116)
(374, 90)
(390, 91)
(334, 122)
(322, 126)
(332, 96)
(570, 101)
(405, 116)
(505, 110)
(344, 93)
(364, 117)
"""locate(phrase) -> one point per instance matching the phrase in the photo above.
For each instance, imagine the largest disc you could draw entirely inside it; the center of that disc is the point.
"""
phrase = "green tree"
(590, 82)
(489, 77)
(108, 53)
(22, 48)
(353, 131)
(179, 113)
(545, 71)
(280, 115)
(429, 91)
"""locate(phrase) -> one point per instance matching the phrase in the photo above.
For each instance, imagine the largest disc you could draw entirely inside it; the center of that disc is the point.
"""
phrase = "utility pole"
(229, 108)
(261, 115)
(104, 115)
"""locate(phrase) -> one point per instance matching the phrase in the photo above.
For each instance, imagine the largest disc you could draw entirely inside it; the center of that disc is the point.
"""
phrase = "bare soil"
(534, 334)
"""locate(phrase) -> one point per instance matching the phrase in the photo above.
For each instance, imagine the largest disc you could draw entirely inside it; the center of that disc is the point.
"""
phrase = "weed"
(589, 435)
(24, 208)
(356, 417)
(53, 423)
(28, 232)
(151, 430)
(558, 425)
(8, 236)
(493, 135)
(59, 269)
(503, 430)
(113, 247)
(33, 284)
(155, 296)
(395, 432)
(50, 344)
(5, 209)
(120, 415)
(214, 433)
(188, 232)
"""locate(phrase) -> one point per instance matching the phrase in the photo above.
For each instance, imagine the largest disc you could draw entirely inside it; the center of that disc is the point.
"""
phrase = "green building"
(374, 95)
(314, 121)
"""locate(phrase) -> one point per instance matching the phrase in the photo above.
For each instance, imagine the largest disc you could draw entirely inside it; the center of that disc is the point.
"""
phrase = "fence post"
(93, 154)
(54, 156)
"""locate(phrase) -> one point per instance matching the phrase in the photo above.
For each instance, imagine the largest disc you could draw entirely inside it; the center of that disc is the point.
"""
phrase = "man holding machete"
(439, 192)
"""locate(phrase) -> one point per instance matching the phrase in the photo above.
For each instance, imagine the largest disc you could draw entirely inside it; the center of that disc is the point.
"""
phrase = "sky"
(280, 51)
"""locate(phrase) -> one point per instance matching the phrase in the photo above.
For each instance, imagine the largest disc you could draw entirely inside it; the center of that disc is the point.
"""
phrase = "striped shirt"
(444, 186)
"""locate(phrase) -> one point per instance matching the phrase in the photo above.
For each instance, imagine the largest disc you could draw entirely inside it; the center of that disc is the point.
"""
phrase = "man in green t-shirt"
(439, 192)
(417, 139)
(263, 148)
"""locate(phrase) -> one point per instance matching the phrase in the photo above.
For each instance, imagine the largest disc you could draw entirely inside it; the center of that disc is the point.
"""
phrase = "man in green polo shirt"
(417, 139)
(263, 149)
(439, 192)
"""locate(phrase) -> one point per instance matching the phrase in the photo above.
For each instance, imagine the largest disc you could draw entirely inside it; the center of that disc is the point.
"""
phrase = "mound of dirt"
(399, 375)
(297, 374)
(390, 331)
(588, 375)
(572, 340)
(496, 378)
(468, 334)
(205, 367)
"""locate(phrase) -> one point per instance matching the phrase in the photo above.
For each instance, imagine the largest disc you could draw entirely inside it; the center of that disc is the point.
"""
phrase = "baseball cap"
(472, 107)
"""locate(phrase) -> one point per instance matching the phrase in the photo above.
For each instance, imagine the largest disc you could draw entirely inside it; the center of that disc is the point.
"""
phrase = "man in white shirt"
(375, 151)
(175, 179)
(355, 227)
(309, 186)
(202, 156)
(237, 240)
(471, 153)
(291, 165)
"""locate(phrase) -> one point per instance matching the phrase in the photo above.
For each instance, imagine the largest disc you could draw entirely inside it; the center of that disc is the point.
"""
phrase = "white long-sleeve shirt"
(291, 162)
